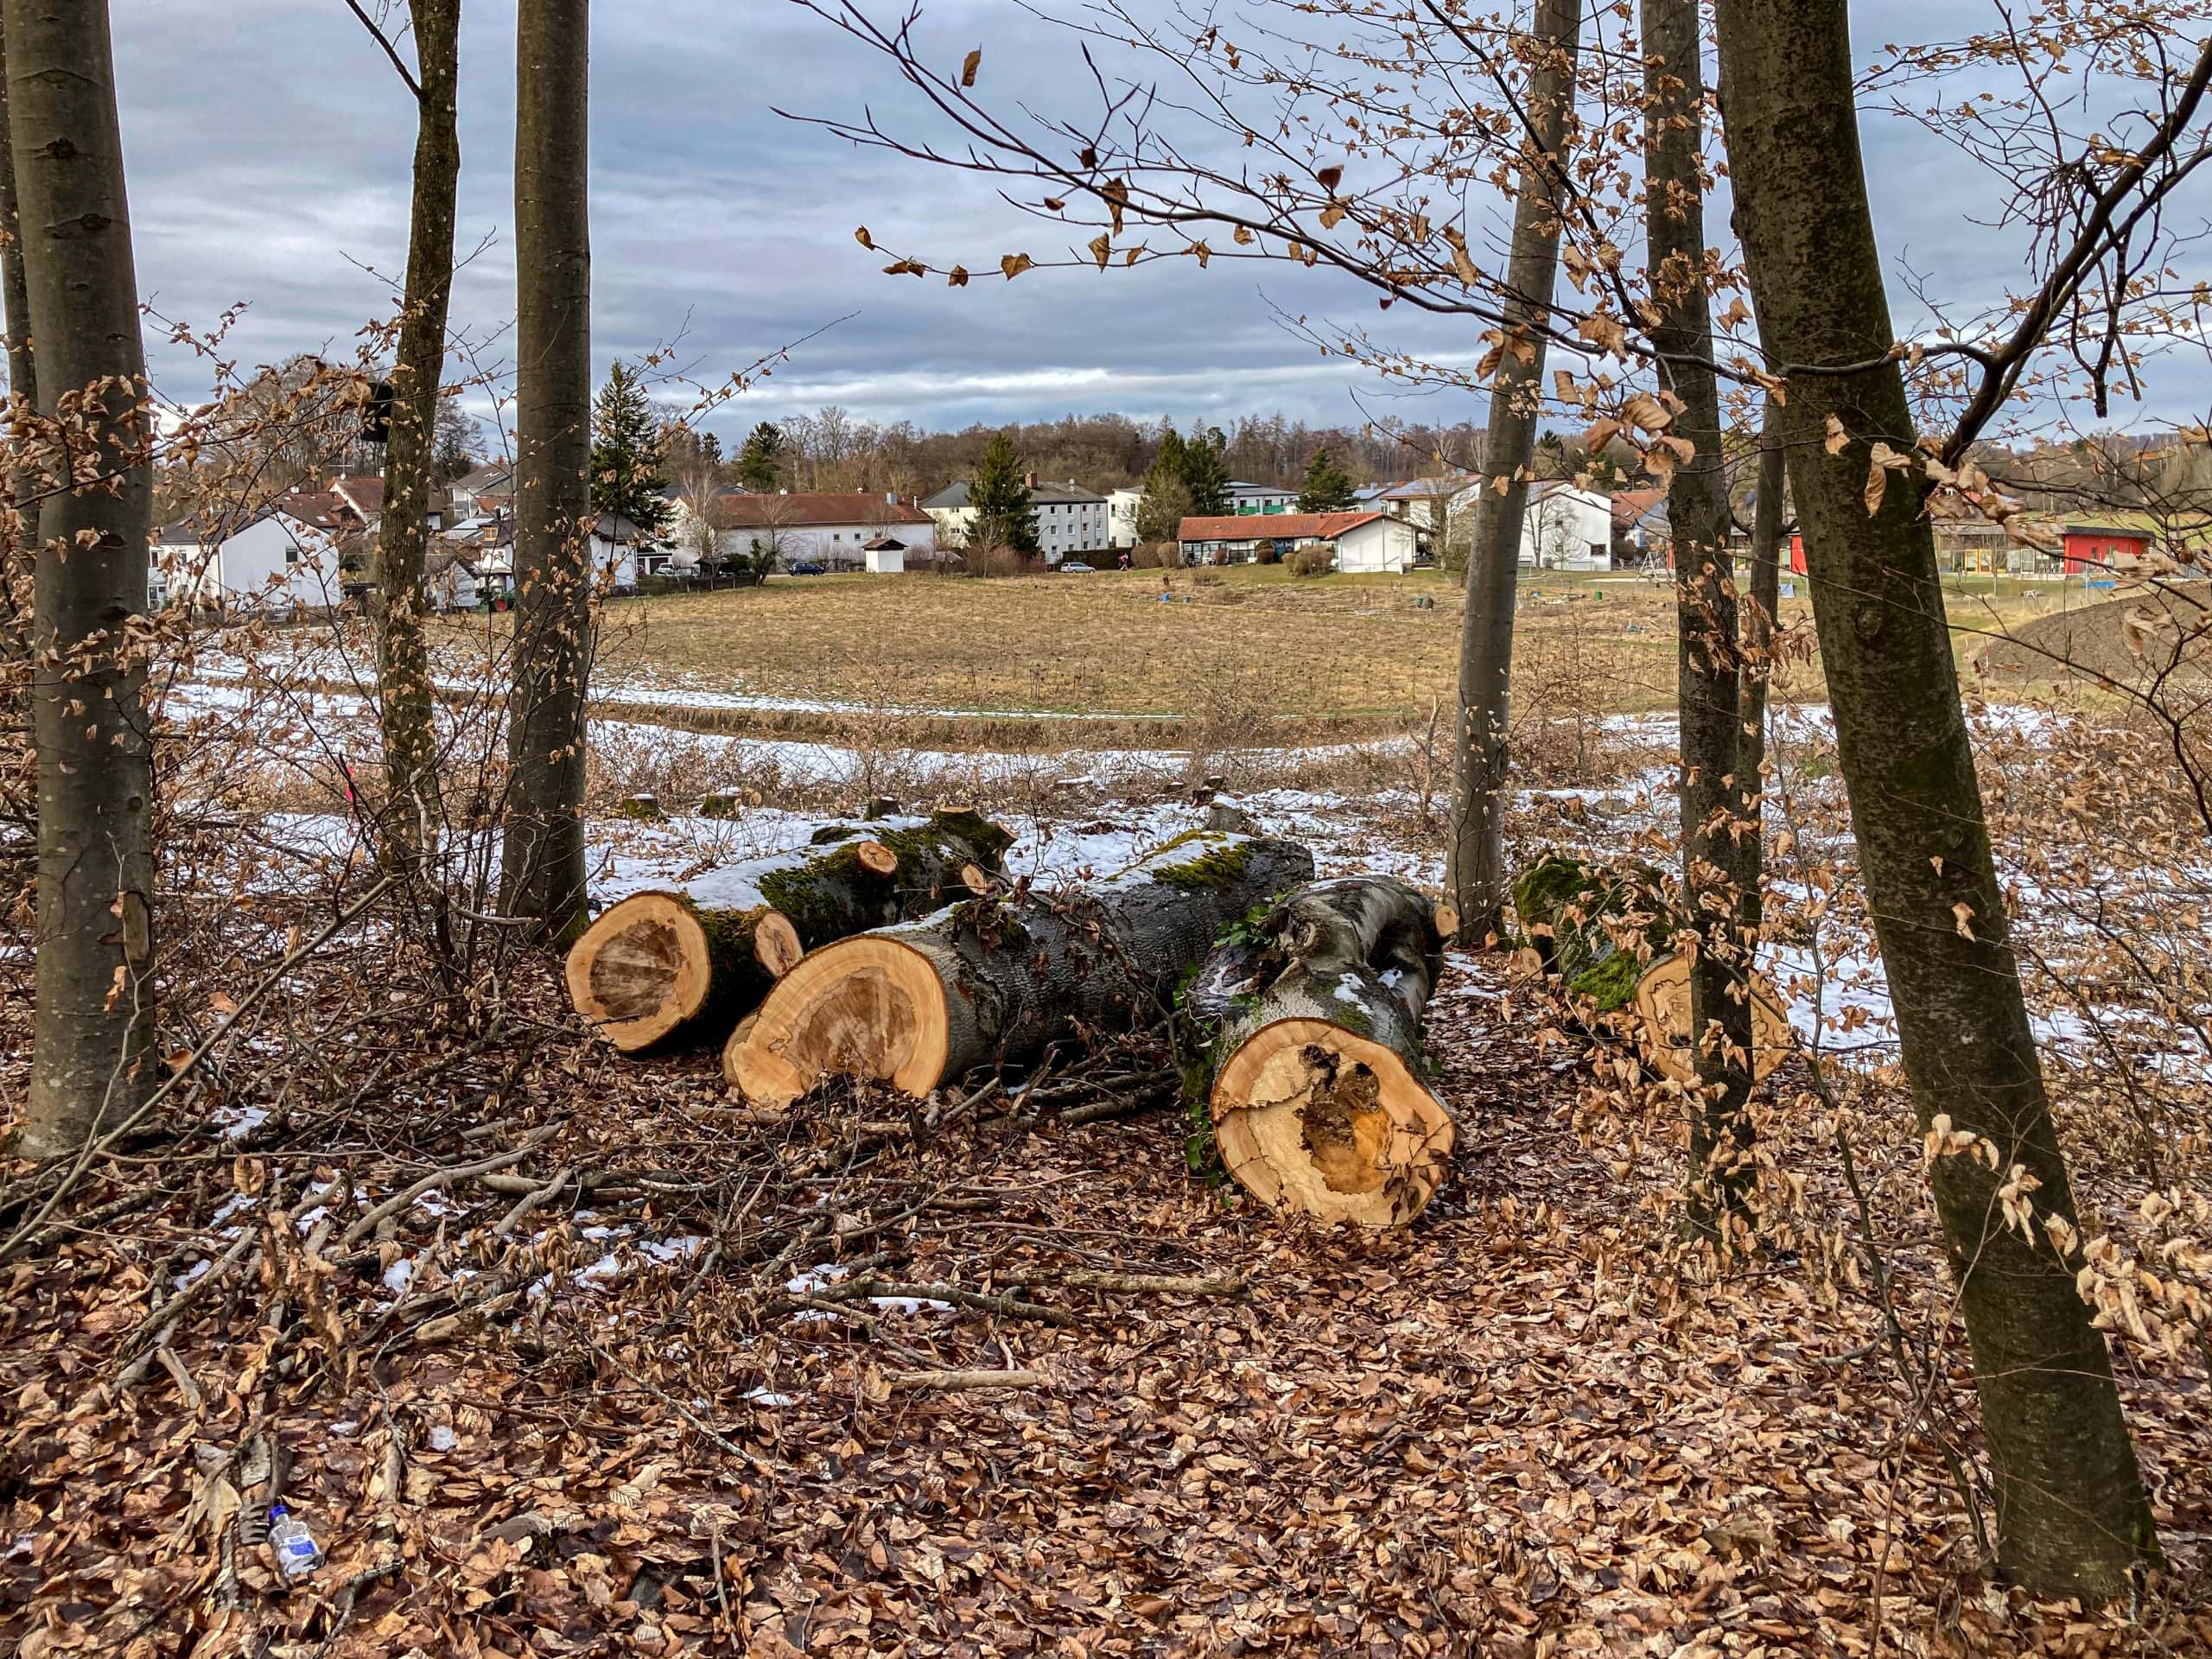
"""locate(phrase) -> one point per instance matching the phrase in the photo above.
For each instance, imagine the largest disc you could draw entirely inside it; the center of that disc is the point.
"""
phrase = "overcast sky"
(268, 145)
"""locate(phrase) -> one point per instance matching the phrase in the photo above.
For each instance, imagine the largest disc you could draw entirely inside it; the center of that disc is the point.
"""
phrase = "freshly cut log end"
(776, 944)
(977, 880)
(1312, 1117)
(1663, 999)
(1447, 918)
(875, 855)
(641, 969)
(870, 1007)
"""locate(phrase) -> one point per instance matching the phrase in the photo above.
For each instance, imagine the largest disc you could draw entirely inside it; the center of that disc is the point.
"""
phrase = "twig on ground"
(442, 1178)
(953, 1382)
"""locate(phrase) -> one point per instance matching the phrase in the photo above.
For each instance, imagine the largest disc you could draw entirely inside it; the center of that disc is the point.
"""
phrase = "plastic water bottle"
(297, 1553)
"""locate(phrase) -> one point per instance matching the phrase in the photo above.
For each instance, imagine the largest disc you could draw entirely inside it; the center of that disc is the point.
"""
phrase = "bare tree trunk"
(1477, 877)
(1770, 521)
(95, 1009)
(1705, 609)
(2072, 1517)
(543, 862)
(404, 703)
(23, 378)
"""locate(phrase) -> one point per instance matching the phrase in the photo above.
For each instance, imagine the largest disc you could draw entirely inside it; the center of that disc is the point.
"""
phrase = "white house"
(622, 550)
(1428, 504)
(828, 528)
(1565, 529)
(1367, 542)
(1068, 519)
(486, 490)
(1259, 497)
(296, 554)
(1122, 508)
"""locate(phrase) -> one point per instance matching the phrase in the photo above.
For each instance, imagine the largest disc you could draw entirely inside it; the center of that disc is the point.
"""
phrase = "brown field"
(1339, 649)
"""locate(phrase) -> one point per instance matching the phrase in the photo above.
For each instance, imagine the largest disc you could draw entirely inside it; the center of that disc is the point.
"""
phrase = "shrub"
(997, 561)
(1267, 555)
(1315, 561)
(1156, 556)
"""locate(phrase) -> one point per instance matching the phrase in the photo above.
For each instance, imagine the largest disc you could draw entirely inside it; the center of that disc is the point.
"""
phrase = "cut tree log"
(667, 964)
(1313, 1067)
(999, 979)
(1607, 932)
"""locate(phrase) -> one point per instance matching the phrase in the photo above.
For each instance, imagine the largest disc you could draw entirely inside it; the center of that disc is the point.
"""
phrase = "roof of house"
(318, 509)
(1632, 506)
(1236, 487)
(800, 511)
(1421, 489)
(884, 544)
(481, 478)
(1274, 526)
(620, 528)
(364, 491)
(439, 559)
(1043, 493)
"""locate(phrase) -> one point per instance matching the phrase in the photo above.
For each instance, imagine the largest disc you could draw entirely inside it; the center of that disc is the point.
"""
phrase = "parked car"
(808, 568)
(1077, 566)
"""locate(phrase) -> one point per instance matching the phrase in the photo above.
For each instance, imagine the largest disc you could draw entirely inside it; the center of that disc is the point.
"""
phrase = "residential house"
(1427, 504)
(483, 492)
(1563, 528)
(830, 528)
(1122, 508)
(304, 551)
(1069, 519)
(1366, 541)
(623, 549)
(1642, 535)
(2099, 547)
(449, 578)
(1259, 498)
(488, 545)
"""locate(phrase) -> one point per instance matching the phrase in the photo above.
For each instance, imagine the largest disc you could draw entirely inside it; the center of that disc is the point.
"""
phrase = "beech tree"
(2072, 1515)
(404, 702)
(94, 1017)
(542, 867)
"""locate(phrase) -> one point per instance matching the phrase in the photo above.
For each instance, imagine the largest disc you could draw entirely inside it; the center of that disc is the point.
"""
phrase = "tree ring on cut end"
(640, 970)
(867, 1006)
(1310, 1116)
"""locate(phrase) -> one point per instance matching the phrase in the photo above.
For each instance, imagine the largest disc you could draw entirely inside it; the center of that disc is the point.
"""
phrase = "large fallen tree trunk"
(1314, 1068)
(1001, 979)
(666, 964)
(1608, 933)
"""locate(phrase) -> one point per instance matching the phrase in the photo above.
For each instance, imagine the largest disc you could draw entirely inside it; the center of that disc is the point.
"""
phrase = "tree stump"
(999, 979)
(662, 966)
(1314, 1072)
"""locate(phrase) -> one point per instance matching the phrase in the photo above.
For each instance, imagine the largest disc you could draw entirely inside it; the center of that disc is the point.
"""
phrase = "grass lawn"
(1247, 637)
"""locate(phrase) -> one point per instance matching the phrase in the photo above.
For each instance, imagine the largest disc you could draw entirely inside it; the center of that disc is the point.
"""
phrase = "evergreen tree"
(760, 459)
(1327, 487)
(1205, 473)
(1004, 516)
(626, 454)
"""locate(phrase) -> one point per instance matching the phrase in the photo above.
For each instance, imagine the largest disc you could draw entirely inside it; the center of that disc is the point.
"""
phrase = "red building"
(2095, 549)
(1797, 554)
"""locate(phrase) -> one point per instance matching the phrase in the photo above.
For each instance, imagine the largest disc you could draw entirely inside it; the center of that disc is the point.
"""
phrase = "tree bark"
(2072, 1516)
(1314, 1068)
(541, 869)
(92, 1046)
(1770, 535)
(1003, 980)
(1476, 878)
(1706, 666)
(404, 701)
(23, 378)
(661, 967)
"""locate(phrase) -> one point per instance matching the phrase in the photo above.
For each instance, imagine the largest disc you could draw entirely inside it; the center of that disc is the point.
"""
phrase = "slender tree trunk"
(1769, 519)
(23, 379)
(542, 867)
(2072, 1517)
(93, 1031)
(1476, 876)
(1704, 607)
(404, 703)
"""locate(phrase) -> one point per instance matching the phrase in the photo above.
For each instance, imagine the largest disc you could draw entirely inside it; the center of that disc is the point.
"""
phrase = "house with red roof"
(1366, 540)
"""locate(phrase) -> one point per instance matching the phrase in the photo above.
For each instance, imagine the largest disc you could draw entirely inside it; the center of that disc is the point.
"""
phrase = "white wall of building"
(1121, 517)
(1567, 530)
(885, 560)
(1066, 527)
(1380, 545)
(821, 543)
(277, 561)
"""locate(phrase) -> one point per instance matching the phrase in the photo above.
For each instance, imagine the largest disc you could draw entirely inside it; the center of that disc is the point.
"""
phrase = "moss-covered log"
(664, 965)
(1312, 1019)
(1608, 934)
(1001, 978)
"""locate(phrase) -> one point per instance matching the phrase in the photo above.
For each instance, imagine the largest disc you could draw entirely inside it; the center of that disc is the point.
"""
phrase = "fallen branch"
(952, 1382)
(437, 1179)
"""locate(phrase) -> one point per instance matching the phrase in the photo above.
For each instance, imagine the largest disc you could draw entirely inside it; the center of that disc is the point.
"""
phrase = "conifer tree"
(626, 454)
(1328, 487)
(759, 461)
(1000, 495)
(1206, 475)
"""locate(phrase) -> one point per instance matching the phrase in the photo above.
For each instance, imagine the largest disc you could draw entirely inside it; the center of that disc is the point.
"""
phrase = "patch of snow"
(442, 1438)
(398, 1276)
(765, 1396)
